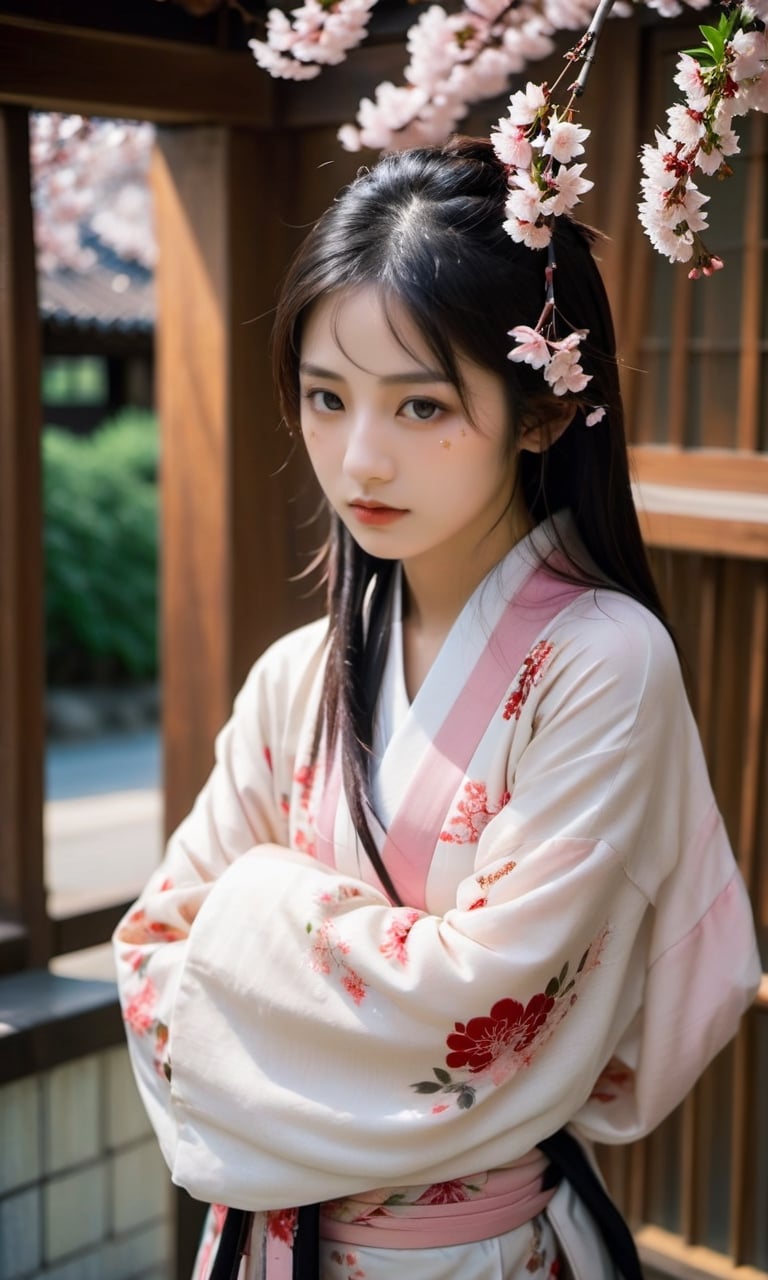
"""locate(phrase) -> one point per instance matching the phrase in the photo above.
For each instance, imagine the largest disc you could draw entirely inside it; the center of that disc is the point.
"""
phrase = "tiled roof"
(117, 296)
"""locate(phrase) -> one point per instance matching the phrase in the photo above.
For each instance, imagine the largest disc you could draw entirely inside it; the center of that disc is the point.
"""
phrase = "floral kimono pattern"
(576, 942)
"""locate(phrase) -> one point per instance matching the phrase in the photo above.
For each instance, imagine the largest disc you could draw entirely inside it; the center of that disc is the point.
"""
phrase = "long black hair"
(425, 227)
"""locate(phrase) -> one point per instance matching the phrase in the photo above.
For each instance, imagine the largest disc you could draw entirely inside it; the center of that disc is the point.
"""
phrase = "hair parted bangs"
(426, 228)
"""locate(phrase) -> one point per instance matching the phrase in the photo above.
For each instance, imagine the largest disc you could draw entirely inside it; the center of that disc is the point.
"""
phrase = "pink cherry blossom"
(526, 198)
(491, 10)
(511, 144)
(527, 43)
(278, 65)
(532, 348)
(564, 372)
(314, 35)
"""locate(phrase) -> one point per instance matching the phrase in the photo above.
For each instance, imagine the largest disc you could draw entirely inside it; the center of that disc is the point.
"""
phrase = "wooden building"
(241, 166)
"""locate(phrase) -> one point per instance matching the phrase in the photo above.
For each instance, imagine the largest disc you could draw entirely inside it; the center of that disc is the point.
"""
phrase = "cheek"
(474, 469)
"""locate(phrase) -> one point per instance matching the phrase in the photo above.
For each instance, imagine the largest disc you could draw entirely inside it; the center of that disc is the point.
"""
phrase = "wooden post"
(22, 893)
(230, 507)
(228, 524)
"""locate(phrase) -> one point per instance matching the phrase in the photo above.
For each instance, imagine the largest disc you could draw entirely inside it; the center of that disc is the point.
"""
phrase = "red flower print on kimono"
(304, 776)
(140, 1014)
(473, 813)
(330, 949)
(138, 928)
(487, 881)
(613, 1080)
(453, 1192)
(139, 1011)
(281, 1224)
(529, 675)
(494, 1046)
(304, 834)
(396, 937)
(349, 1263)
(508, 1026)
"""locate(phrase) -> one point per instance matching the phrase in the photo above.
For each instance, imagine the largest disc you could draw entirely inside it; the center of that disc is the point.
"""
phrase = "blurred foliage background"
(100, 495)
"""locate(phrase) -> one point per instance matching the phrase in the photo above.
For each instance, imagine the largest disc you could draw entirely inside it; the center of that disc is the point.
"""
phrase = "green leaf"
(552, 987)
(443, 1076)
(701, 55)
(426, 1086)
(466, 1099)
(563, 974)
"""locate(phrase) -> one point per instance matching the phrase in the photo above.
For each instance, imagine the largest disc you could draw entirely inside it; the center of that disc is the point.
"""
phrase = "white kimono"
(576, 943)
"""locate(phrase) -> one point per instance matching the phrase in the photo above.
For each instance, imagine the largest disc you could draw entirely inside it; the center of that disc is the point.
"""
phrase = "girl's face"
(410, 473)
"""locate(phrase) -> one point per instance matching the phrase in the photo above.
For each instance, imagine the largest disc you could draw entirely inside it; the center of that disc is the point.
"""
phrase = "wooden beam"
(22, 898)
(724, 469)
(60, 68)
(712, 521)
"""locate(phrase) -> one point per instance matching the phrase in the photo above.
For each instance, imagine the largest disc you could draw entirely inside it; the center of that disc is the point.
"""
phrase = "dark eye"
(423, 410)
(325, 401)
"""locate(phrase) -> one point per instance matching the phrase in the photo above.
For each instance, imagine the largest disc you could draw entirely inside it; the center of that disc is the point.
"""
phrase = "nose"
(368, 456)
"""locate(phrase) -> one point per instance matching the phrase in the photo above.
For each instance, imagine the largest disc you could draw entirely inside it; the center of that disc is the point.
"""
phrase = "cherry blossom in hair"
(538, 143)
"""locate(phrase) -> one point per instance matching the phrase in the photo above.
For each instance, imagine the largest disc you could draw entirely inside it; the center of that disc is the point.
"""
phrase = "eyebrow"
(387, 379)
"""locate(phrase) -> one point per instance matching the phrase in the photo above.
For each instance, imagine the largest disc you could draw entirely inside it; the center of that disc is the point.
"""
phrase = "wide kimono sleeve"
(319, 1041)
(243, 804)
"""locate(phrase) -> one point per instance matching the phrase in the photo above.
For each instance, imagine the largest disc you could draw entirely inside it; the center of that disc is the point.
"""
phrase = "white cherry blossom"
(570, 187)
(689, 80)
(525, 105)
(563, 141)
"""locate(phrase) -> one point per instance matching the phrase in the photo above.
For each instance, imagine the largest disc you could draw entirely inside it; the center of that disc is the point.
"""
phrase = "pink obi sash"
(462, 1211)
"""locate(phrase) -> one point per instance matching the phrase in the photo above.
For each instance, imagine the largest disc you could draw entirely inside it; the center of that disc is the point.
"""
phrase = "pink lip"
(375, 513)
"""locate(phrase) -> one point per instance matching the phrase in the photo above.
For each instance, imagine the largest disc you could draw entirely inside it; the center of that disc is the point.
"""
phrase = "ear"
(544, 421)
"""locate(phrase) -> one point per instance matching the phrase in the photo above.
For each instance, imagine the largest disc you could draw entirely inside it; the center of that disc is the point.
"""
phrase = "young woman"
(457, 879)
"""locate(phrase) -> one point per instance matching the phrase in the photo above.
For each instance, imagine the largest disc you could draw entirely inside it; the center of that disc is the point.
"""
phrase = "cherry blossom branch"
(723, 78)
(587, 46)
(537, 143)
(319, 33)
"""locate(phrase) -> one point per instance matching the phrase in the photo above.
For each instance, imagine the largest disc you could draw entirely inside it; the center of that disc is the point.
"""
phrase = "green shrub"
(101, 515)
